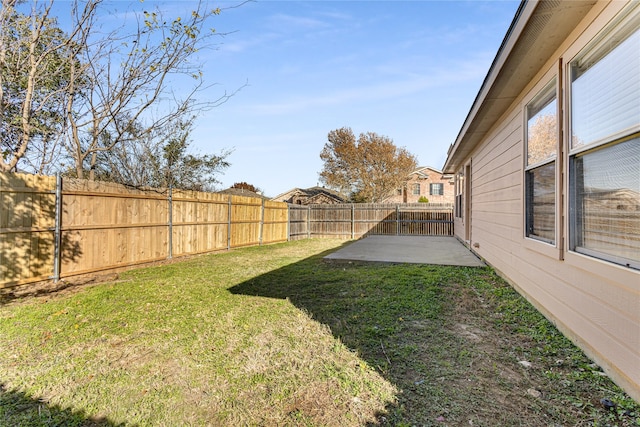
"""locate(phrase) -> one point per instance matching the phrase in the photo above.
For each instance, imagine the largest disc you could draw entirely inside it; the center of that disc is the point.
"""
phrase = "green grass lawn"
(275, 336)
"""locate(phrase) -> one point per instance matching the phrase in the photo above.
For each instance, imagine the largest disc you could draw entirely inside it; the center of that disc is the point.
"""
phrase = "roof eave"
(536, 32)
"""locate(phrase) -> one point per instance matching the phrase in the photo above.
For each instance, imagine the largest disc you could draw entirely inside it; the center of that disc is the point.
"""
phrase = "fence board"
(200, 222)
(246, 213)
(27, 220)
(299, 222)
(274, 222)
(107, 226)
(357, 220)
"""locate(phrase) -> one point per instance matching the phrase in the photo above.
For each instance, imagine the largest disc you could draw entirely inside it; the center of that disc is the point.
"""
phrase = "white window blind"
(605, 94)
(606, 203)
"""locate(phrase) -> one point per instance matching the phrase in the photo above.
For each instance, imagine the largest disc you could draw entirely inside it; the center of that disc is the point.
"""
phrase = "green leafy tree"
(369, 169)
(162, 161)
(34, 77)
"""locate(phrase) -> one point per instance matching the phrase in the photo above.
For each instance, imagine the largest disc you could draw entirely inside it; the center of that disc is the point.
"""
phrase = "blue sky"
(409, 70)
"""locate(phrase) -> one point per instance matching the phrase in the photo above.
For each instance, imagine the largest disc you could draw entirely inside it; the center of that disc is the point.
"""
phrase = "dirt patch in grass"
(274, 336)
(515, 368)
(492, 383)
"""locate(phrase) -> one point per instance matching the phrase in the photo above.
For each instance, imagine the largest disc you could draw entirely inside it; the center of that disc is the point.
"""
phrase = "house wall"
(594, 302)
(434, 177)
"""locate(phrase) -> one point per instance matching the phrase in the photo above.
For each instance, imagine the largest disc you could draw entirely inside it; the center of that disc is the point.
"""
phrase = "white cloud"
(285, 22)
(237, 44)
(404, 84)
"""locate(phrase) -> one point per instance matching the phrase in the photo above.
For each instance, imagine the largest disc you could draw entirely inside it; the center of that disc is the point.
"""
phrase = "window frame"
(415, 189)
(618, 30)
(459, 194)
(439, 185)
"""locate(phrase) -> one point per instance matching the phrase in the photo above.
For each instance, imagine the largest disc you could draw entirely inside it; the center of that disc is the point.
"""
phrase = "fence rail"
(52, 228)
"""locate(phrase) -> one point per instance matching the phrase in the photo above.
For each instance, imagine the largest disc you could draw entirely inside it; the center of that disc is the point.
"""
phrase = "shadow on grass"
(51, 288)
(19, 409)
(391, 315)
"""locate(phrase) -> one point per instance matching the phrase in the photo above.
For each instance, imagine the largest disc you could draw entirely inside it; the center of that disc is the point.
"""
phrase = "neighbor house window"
(416, 189)
(540, 170)
(604, 161)
(436, 189)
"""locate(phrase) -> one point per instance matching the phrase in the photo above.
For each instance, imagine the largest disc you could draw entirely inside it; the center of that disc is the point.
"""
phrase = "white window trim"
(539, 246)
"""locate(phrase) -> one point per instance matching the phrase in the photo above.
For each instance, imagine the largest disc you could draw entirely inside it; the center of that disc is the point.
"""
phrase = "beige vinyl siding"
(458, 229)
(578, 303)
(598, 313)
(594, 302)
(496, 192)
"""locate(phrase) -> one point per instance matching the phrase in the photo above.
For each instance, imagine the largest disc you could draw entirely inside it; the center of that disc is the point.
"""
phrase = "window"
(415, 189)
(604, 174)
(459, 194)
(540, 170)
(436, 189)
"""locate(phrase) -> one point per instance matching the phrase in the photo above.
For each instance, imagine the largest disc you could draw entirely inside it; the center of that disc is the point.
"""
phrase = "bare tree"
(84, 93)
(369, 169)
(121, 86)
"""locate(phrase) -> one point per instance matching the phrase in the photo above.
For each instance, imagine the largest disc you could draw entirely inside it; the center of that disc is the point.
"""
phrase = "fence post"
(288, 222)
(57, 243)
(308, 221)
(353, 221)
(397, 220)
(229, 225)
(261, 227)
(170, 200)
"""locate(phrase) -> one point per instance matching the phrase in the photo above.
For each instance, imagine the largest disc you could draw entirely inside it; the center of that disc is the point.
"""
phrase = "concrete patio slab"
(408, 249)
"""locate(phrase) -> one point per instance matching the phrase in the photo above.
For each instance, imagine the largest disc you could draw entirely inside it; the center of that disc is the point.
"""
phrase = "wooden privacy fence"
(352, 221)
(51, 229)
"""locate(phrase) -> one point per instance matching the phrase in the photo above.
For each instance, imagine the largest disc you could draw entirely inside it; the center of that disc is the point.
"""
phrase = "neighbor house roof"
(421, 171)
(243, 192)
(310, 193)
(537, 30)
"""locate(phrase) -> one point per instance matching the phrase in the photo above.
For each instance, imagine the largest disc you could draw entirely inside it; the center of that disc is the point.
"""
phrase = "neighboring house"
(547, 173)
(310, 196)
(425, 182)
(243, 192)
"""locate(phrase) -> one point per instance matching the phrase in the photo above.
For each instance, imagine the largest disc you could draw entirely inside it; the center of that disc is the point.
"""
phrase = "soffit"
(538, 29)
